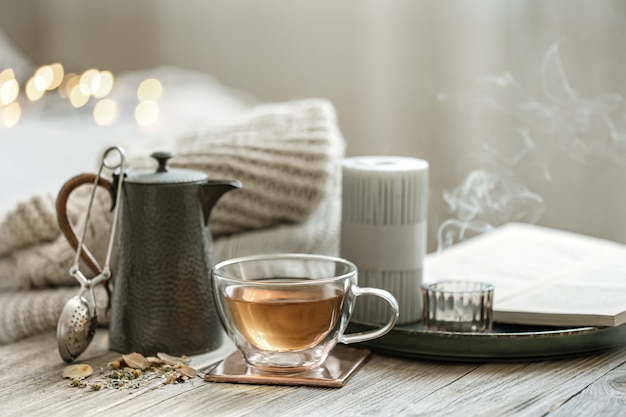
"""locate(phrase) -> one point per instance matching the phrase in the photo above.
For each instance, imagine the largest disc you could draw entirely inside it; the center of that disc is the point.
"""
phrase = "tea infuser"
(78, 321)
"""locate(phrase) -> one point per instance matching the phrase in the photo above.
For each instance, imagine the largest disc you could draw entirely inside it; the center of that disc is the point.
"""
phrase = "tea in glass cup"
(286, 312)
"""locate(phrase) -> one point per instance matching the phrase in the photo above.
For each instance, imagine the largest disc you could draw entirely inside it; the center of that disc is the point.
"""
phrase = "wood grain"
(31, 383)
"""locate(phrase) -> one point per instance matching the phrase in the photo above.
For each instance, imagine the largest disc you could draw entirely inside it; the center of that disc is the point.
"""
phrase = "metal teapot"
(162, 299)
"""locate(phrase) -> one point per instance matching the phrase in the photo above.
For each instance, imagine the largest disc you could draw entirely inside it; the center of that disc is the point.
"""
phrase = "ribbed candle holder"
(383, 230)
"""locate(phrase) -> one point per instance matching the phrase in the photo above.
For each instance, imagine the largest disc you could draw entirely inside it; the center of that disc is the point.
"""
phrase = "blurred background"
(518, 106)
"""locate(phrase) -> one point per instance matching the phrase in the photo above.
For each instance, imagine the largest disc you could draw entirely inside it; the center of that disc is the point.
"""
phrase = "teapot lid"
(165, 175)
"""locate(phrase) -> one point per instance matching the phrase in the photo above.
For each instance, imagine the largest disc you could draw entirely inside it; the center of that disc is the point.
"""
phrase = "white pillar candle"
(383, 230)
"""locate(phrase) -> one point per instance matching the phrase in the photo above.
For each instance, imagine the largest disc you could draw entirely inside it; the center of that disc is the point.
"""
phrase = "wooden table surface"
(31, 383)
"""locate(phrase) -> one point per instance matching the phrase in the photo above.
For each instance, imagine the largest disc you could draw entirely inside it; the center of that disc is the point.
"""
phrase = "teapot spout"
(212, 191)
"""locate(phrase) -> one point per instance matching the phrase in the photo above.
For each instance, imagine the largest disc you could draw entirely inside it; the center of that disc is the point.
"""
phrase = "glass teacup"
(286, 312)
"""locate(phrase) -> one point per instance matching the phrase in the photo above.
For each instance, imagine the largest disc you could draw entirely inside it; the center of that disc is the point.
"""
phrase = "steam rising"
(483, 200)
(527, 134)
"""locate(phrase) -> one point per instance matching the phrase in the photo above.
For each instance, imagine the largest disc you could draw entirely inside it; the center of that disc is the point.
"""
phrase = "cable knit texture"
(288, 158)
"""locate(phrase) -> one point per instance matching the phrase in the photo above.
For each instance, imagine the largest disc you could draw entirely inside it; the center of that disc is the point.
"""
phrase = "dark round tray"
(505, 342)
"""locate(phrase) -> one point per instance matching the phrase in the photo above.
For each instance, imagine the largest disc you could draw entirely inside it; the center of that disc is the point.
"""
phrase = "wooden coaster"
(340, 365)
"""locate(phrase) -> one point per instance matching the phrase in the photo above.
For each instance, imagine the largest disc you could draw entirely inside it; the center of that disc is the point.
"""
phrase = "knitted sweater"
(288, 158)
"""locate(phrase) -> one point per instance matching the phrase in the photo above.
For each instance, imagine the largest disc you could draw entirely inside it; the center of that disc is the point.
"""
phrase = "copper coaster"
(340, 365)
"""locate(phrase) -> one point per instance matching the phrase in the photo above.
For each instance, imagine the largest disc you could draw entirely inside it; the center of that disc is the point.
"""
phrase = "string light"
(10, 110)
(147, 111)
(58, 73)
(43, 78)
(105, 112)
(149, 90)
(78, 89)
(89, 82)
(10, 115)
(9, 87)
(105, 84)
(78, 97)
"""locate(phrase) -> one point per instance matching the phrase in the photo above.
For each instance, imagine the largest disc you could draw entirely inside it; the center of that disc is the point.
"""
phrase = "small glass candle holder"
(458, 306)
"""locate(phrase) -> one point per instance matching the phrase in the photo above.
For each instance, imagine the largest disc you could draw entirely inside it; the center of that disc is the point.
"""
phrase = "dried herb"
(133, 371)
(77, 371)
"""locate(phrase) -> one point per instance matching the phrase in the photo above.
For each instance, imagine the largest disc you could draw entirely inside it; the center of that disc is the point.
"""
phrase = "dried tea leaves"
(169, 359)
(133, 370)
(136, 360)
(186, 371)
(76, 373)
(79, 371)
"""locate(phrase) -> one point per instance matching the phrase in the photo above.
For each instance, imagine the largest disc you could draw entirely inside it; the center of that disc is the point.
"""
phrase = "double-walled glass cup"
(286, 312)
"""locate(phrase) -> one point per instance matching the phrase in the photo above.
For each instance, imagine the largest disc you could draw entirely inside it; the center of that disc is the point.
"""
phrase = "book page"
(525, 263)
(594, 295)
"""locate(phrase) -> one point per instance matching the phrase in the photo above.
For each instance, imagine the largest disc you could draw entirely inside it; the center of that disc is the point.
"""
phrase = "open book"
(541, 276)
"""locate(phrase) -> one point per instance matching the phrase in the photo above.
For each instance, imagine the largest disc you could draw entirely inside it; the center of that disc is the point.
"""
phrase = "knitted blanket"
(288, 158)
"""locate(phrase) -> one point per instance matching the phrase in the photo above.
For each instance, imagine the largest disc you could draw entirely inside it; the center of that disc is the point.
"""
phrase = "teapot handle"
(63, 220)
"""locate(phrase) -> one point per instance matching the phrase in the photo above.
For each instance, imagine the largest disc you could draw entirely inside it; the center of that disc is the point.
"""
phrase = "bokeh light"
(58, 73)
(89, 81)
(33, 90)
(70, 80)
(9, 91)
(6, 75)
(105, 84)
(43, 78)
(149, 90)
(146, 113)
(105, 112)
(11, 114)
(77, 96)
(77, 88)
(9, 87)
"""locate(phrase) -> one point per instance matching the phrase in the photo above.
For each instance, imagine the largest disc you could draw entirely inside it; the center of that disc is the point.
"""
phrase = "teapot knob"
(162, 158)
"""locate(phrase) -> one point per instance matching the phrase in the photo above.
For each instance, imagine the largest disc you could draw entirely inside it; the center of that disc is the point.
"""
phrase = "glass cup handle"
(373, 334)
